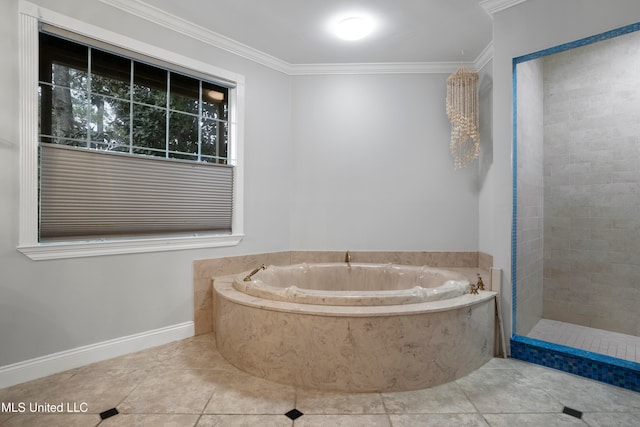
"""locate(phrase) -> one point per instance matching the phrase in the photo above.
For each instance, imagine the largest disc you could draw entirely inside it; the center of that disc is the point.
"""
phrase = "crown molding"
(167, 20)
(485, 57)
(494, 6)
(153, 14)
(379, 68)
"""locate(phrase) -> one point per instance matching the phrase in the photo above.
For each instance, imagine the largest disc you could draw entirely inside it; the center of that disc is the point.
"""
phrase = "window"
(98, 100)
(102, 103)
(128, 153)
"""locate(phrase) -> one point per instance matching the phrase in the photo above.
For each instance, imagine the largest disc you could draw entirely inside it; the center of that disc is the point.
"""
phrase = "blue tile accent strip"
(579, 43)
(514, 197)
(607, 369)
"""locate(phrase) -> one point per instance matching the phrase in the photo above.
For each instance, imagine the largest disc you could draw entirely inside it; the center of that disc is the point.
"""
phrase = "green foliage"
(110, 118)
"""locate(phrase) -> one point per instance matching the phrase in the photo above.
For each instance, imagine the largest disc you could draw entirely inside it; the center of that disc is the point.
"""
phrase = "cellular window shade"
(93, 194)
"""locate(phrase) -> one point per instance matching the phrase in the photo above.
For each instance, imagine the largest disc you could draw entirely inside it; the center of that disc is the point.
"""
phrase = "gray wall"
(321, 182)
(373, 169)
(528, 27)
(50, 306)
(592, 185)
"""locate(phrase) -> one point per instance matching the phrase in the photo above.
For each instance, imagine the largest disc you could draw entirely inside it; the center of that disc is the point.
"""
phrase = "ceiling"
(297, 31)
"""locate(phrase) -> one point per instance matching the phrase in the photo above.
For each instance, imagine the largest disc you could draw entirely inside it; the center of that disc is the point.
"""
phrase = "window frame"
(30, 18)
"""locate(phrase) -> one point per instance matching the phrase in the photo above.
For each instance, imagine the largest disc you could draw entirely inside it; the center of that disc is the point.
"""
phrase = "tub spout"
(347, 257)
(254, 271)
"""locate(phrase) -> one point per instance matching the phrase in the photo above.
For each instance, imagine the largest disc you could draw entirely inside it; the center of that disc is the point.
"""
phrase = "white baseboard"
(69, 359)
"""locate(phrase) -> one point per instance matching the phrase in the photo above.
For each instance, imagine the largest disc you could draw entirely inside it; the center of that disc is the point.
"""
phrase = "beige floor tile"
(95, 389)
(244, 421)
(5, 417)
(617, 419)
(533, 420)
(438, 420)
(146, 359)
(240, 393)
(99, 390)
(506, 391)
(151, 420)
(326, 402)
(581, 393)
(190, 353)
(343, 421)
(501, 363)
(36, 390)
(52, 420)
(445, 398)
(188, 383)
(183, 391)
(199, 352)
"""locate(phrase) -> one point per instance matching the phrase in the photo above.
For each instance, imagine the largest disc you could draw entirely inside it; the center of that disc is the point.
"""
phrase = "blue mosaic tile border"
(607, 369)
(579, 43)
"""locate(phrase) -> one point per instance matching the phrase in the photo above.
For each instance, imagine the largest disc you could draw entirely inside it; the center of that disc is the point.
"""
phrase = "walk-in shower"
(576, 250)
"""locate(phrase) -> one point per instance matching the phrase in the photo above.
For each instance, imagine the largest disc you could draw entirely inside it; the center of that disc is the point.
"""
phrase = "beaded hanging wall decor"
(462, 111)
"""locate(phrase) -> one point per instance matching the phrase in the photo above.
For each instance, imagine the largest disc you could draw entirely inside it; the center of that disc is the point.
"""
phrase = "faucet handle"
(474, 289)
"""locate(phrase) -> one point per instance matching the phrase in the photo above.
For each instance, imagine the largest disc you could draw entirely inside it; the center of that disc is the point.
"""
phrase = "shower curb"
(606, 369)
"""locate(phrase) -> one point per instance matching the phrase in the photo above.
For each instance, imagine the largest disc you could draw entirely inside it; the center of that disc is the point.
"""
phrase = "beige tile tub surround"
(207, 269)
(354, 349)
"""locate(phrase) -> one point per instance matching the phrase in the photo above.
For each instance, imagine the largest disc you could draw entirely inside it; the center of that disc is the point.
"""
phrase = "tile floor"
(613, 344)
(188, 383)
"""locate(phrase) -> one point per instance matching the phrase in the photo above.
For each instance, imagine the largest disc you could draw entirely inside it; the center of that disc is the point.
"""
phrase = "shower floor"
(613, 344)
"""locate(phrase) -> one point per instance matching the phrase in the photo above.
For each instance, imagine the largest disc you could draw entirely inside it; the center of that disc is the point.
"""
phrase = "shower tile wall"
(529, 251)
(592, 185)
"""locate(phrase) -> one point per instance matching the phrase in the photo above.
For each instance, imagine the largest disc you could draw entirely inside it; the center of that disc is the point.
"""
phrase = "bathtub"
(353, 284)
(354, 327)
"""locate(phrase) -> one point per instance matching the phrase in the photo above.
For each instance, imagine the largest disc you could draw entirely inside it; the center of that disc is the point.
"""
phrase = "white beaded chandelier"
(462, 110)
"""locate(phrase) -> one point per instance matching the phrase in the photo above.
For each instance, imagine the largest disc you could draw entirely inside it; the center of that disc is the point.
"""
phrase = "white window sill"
(60, 250)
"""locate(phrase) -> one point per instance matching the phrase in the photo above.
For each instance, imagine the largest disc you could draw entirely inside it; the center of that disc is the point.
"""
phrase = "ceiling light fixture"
(353, 28)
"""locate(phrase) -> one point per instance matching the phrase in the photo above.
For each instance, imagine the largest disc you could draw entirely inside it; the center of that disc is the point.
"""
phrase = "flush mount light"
(353, 28)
